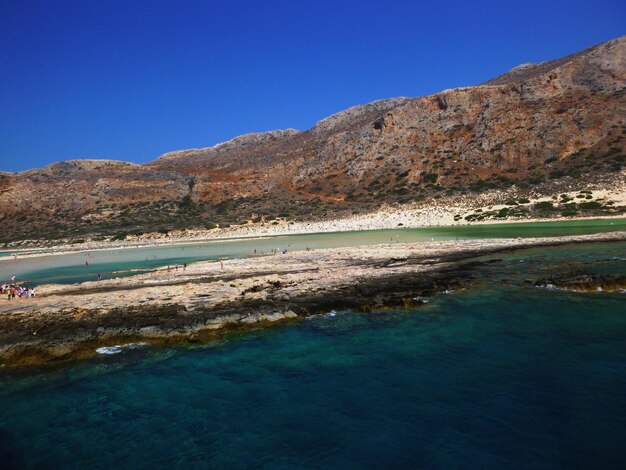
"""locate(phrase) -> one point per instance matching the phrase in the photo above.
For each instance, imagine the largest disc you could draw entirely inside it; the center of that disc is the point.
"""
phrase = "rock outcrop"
(585, 282)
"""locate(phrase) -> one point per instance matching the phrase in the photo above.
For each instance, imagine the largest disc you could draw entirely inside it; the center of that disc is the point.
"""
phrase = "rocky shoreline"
(585, 282)
(209, 298)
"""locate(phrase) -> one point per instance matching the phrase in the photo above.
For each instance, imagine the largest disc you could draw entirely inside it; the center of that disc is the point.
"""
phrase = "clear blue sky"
(130, 80)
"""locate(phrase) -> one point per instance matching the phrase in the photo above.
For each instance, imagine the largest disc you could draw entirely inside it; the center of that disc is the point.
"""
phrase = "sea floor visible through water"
(502, 374)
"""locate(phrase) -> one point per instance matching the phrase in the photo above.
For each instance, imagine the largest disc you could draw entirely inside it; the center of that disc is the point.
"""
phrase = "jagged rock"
(585, 282)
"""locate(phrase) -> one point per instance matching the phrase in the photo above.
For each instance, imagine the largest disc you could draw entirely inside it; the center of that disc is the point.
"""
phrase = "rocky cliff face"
(543, 125)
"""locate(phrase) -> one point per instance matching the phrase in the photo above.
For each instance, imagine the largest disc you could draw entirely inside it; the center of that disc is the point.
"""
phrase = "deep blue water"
(482, 378)
(501, 374)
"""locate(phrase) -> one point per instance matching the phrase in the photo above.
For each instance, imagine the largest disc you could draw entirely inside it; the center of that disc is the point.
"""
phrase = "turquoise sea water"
(71, 268)
(502, 374)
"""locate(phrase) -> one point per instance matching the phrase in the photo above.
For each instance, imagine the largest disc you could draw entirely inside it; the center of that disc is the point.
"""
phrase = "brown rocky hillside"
(549, 126)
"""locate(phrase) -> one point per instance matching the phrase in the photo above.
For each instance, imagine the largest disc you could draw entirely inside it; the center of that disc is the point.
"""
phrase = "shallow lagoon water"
(487, 377)
(71, 268)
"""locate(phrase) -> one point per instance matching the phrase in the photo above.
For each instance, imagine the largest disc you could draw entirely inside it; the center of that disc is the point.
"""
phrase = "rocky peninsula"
(208, 298)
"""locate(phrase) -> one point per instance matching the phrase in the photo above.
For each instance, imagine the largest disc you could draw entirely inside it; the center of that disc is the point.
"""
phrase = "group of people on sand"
(11, 291)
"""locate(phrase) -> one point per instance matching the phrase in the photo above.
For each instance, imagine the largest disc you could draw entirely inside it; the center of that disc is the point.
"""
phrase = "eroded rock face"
(563, 119)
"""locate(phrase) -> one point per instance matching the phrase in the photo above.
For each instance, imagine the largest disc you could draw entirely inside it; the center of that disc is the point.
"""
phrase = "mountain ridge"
(552, 125)
(526, 70)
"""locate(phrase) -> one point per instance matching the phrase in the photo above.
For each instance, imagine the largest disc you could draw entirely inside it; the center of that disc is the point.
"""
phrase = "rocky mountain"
(544, 127)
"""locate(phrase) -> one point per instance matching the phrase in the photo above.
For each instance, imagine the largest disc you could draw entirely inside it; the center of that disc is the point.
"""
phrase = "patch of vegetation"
(535, 180)
(430, 178)
(544, 206)
(591, 205)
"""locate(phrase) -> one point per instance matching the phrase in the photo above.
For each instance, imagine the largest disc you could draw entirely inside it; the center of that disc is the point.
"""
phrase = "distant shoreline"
(263, 232)
(435, 213)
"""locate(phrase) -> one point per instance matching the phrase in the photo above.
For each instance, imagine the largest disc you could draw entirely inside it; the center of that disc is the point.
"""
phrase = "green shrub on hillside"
(544, 206)
(591, 205)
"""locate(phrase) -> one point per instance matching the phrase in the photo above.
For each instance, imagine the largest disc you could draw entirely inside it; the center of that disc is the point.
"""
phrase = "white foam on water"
(330, 314)
(109, 350)
(118, 348)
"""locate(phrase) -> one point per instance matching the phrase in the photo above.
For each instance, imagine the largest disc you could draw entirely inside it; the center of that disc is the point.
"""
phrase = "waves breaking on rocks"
(108, 350)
